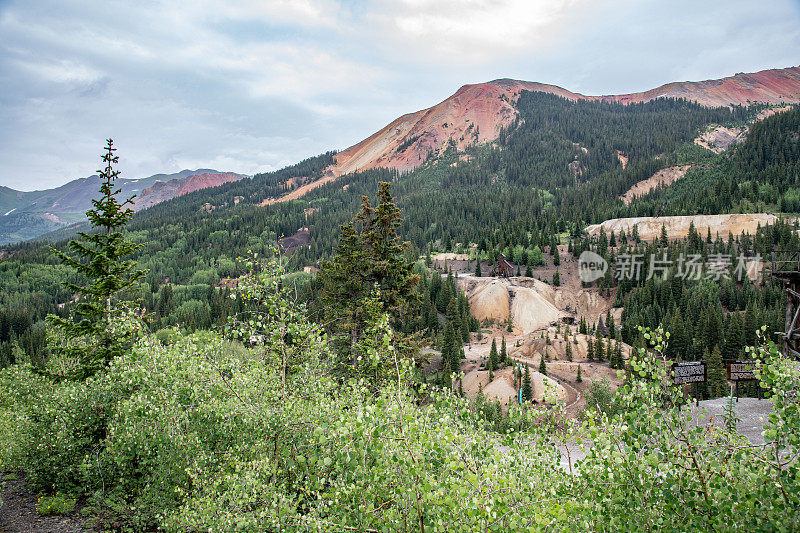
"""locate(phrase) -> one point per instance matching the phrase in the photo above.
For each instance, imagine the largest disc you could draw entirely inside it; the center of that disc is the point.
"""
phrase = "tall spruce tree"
(370, 255)
(717, 381)
(493, 357)
(527, 390)
(102, 257)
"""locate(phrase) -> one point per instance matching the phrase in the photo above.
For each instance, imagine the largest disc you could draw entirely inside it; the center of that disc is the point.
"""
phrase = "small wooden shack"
(503, 268)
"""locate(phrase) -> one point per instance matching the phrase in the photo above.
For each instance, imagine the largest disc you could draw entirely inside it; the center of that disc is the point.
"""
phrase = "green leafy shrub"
(55, 505)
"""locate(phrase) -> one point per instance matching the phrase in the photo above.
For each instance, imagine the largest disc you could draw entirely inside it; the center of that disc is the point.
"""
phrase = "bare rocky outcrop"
(677, 227)
(719, 138)
(662, 178)
(528, 302)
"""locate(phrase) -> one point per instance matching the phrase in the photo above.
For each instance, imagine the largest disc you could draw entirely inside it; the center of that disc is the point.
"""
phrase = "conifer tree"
(503, 353)
(527, 390)
(478, 272)
(568, 351)
(449, 346)
(493, 355)
(734, 337)
(579, 378)
(447, 373)
(750, 324)
(542, 365)
(102, 258)
(369, 256)
(465, 328)
(432, 319)
(599, 348)
(717, 381)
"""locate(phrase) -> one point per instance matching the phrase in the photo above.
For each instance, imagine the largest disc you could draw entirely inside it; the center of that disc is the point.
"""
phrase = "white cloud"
(477, 31)
(62, 71)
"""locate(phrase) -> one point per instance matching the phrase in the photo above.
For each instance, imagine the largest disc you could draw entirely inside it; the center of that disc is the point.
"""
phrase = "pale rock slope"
(678, 226)
(662, 178)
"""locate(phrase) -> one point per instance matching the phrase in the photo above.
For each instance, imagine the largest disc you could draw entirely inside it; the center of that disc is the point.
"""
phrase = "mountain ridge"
(476, 113)
(28, 214)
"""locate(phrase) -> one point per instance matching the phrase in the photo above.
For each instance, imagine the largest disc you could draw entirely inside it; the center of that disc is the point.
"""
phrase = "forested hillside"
(553, 171)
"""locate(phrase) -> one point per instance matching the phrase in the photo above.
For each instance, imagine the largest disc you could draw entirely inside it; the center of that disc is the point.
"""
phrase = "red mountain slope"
(476, 113)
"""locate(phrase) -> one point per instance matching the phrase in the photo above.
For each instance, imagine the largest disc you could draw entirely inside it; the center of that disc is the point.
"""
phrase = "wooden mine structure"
(786, 269)
(503, 268)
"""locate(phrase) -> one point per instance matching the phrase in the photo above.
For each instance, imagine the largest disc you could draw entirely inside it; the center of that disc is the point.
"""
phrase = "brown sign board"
(740, 370)
(689, 372)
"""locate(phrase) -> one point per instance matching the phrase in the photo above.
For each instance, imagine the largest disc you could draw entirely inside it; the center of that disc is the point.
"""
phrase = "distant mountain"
(28, 214)
(476, 114)
(161, 191)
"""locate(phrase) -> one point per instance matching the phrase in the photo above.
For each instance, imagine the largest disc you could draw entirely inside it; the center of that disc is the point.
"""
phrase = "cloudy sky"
(249, 86)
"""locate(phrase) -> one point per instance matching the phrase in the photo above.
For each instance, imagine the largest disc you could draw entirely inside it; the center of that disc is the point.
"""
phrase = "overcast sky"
(249, 86)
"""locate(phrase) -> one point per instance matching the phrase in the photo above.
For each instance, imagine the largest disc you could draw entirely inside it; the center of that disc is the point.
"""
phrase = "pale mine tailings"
(531, 304)
(678, 226)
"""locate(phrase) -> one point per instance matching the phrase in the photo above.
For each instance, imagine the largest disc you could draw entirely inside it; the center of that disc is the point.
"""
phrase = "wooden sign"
(740, 370)
(689, 372)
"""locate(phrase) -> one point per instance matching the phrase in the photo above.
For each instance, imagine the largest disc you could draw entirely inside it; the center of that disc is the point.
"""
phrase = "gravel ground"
(18, 513)
(751, 412)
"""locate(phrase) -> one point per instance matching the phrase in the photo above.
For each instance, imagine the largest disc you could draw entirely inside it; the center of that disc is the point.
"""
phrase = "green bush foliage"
(54, 505)
(197, 436)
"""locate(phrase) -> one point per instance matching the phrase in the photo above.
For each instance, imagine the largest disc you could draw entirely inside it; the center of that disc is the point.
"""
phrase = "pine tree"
(503, 353)
(101, 258)
(542, 366)
(527, 390)
(493, 356)
(449, 346)
(717, 381)
(579, 378)
(556, 279)
(568, 351)
(432, 318)
(750, 324)
(478, 272)
(599, 348)
(369, 256)
(447, 373)
(678, 342)
(589, 349)
(465, 328)
(734, 337)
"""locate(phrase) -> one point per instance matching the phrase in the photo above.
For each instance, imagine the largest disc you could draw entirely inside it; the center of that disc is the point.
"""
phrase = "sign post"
(689, 372)
(740, 371)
